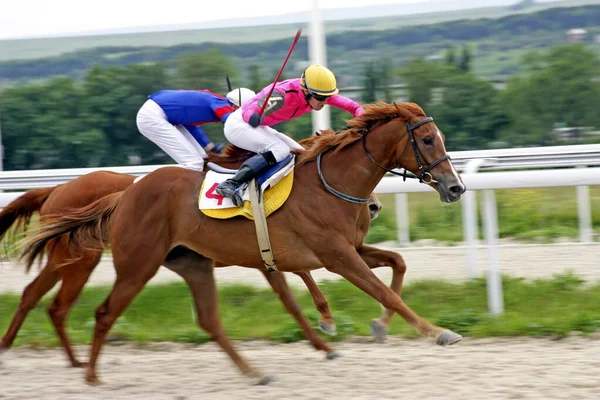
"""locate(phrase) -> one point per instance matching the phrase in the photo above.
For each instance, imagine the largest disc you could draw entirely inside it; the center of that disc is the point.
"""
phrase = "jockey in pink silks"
(290, 99)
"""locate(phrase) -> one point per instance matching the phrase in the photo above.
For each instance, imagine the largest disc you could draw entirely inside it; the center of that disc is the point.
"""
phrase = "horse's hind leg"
(130, 281)
(280, 286)
(32, 294)
(197, 272)
(75, 275)
(376, 258)
(326, 323)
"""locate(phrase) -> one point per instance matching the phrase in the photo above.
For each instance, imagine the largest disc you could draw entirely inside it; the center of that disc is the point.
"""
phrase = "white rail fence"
(553, 166)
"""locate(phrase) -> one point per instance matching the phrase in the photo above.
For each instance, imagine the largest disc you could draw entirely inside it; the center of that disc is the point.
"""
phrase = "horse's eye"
(428, 140)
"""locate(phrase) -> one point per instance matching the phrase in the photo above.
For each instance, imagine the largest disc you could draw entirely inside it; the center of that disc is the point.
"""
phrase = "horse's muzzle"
(450, 192)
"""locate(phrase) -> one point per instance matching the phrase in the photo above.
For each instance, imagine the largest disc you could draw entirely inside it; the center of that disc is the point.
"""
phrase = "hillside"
(337, 21)
(497, 45)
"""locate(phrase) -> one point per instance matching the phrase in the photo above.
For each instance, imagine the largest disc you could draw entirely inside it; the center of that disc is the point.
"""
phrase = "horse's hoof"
(378, 331)
(448, 337)
(265, 380)
(93, 381)
(77, 364)
(333, 355)
(328, 328)
(3, 351)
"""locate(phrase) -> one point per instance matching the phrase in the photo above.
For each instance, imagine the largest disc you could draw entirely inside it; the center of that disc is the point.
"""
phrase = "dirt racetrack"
(518, 368)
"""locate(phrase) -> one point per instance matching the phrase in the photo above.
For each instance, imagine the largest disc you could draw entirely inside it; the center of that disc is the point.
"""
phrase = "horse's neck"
(351, 171)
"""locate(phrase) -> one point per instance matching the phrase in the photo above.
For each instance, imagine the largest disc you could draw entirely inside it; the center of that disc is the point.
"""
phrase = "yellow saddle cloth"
(273, 198)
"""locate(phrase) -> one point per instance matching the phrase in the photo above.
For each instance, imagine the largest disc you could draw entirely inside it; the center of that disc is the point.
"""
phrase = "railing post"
(494, 280)
(469, 217)
(585, 214)
(402, 219)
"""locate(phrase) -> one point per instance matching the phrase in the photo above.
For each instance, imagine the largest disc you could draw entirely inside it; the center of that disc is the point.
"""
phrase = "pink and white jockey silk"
(288, 102)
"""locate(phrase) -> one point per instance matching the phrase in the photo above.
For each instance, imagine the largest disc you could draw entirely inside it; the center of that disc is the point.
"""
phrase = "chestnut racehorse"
(75, 273)
(317, 226)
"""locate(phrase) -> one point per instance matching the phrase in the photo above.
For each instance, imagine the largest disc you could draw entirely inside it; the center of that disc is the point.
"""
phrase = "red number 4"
(212, 194)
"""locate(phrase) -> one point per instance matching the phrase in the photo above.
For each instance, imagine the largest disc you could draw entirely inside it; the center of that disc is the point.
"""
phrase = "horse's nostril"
(456, 189)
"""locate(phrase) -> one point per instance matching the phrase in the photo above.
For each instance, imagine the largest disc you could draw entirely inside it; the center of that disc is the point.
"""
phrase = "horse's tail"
(22, 208)
(85, 228)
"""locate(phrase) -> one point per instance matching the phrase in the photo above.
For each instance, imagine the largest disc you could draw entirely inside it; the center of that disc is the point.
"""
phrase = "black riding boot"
(251, 168)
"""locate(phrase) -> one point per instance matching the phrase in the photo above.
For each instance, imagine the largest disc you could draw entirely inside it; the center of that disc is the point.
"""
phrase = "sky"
(46, 18)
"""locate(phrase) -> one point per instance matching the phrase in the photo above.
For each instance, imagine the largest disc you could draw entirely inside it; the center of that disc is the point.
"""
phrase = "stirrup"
(231, 191)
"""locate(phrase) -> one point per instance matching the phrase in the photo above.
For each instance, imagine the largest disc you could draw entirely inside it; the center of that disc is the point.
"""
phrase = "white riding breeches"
(260, 139)
(175, 140)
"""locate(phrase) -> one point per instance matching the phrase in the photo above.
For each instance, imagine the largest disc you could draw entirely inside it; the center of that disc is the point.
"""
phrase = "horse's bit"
(424, 177)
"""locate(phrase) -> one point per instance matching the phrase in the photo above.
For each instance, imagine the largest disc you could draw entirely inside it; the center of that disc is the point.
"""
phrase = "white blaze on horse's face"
(453, 170)
(446, 179)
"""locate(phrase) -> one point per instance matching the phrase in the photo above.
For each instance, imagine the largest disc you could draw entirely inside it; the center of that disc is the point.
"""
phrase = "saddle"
(262, 196)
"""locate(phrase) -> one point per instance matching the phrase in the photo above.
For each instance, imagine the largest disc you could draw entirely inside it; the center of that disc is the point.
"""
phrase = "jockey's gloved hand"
(218, 147)
(255, 120)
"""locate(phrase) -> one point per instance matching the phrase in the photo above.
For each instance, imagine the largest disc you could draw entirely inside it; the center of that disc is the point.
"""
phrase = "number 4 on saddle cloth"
(275, 185)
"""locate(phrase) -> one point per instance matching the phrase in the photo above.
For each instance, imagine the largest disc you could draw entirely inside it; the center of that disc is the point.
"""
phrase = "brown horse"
(317, 226)
(75, 273)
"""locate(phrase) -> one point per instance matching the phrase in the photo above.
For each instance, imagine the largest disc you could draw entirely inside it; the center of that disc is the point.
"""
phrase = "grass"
(552, 307)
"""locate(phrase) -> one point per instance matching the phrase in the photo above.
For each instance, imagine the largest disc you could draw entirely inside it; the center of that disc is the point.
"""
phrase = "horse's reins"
(424, 177)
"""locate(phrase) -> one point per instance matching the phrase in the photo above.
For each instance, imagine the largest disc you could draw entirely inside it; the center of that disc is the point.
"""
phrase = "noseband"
(424, 177)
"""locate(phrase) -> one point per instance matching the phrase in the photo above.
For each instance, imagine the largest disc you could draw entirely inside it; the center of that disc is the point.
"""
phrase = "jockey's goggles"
(319, 97)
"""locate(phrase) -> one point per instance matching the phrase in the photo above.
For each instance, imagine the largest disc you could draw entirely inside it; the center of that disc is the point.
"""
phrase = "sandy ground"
(424, 262)
(521, 368)
(399, 369)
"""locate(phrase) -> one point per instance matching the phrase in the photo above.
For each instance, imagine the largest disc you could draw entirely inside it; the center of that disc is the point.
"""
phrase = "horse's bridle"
(424, 177)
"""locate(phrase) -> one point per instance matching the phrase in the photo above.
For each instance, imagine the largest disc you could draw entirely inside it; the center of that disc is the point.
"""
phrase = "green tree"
(385, 80)
(111, 100)
(451, 57)
(204, 70)
(422, 78)
(370, 83)
(257, 80)
(40, 121)
(469, 112)
(465, 60)
(560, 87)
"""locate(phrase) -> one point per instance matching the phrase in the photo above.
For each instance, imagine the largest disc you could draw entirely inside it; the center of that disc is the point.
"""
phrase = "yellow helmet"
(319, 80)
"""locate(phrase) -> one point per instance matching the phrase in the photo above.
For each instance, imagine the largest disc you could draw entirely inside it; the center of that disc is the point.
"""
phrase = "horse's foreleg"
(326, 323)
(75, 275)
(32, 294)
(280, 286)
(346, 261)
(376, 258)
(198, 274)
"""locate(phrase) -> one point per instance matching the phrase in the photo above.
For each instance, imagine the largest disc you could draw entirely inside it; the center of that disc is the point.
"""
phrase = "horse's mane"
(229, 154)
(232, 153)
(326, 139)
(374, 114)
